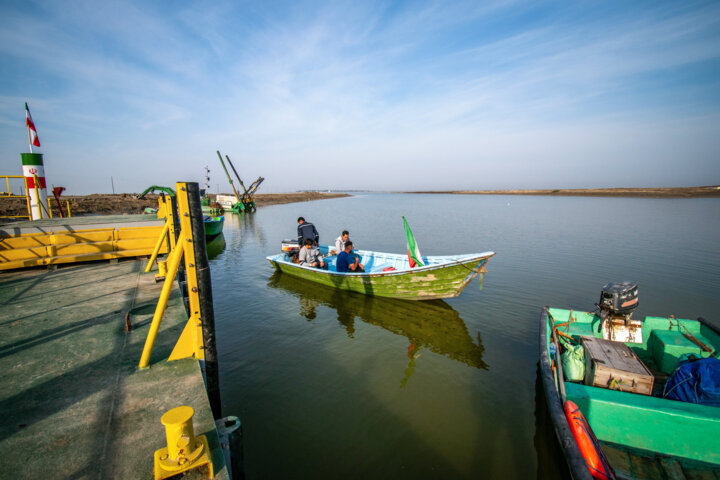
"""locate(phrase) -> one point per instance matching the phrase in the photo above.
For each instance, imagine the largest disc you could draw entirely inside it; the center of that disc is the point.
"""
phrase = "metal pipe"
(27, 199)
(558, 358)
(207, 314)
(158, 245)
(37, 194)
(236, 174)
(237, 196)
(173, 264)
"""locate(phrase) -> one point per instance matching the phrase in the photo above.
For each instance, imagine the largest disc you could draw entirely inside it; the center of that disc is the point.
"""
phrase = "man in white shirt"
(340, 241)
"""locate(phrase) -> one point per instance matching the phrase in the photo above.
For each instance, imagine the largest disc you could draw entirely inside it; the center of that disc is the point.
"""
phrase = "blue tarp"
(695, 381)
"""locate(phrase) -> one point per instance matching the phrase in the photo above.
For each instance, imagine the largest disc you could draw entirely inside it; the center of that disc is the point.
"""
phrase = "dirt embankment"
(106, 204)
(671, 192)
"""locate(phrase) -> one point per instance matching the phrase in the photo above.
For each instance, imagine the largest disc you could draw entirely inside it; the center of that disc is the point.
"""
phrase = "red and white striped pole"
(33, 168)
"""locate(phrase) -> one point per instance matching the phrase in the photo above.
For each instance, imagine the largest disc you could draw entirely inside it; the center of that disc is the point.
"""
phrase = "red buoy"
(587, 443)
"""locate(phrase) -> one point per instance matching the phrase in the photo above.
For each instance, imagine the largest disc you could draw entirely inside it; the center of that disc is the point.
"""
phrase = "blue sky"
(382, 95)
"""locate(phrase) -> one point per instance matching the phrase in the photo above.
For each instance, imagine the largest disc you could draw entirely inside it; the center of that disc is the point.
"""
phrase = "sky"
(378, 95)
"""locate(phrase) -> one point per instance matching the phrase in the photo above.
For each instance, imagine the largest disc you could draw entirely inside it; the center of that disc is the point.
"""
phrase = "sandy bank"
(671, 192)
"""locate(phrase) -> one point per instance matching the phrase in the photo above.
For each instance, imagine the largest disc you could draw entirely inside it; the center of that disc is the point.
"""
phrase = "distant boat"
(213, 225)
(390, 275)
(639, 429)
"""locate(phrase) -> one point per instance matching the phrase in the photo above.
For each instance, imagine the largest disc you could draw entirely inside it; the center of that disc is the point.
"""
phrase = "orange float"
(587, 443)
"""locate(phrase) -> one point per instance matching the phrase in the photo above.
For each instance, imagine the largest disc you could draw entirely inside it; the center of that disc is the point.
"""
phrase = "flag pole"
(28, 127)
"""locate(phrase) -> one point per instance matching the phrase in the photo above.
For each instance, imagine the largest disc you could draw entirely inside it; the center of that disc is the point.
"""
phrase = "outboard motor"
(291, 248)
(619, 298)
(618, 301)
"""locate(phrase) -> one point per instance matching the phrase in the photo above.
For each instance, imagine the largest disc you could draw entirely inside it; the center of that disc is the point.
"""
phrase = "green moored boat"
(390, 275)
(213, 225)
(624, 375)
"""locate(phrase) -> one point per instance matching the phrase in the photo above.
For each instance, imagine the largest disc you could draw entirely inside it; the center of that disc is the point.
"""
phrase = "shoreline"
(126, 203)
(665, 192)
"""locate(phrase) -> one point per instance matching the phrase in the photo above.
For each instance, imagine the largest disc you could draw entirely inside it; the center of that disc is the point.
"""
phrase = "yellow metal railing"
(8, 194)
(190, 343)
(47, 208)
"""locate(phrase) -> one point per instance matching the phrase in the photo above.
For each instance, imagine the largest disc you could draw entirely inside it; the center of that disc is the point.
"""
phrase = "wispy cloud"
(485, 89)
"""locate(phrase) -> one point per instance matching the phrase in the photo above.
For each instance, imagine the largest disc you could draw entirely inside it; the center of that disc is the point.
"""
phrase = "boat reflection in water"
(432, 324)
(215, 246)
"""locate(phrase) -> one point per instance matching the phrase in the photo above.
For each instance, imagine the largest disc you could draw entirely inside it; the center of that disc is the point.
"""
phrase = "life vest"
(587, 443)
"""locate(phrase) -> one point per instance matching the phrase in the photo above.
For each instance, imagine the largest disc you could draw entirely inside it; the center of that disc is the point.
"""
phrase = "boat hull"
(632, 426)
(424, 283)
(214, 226)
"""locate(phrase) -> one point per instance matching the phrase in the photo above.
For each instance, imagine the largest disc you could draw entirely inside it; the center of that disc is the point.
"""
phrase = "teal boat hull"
(213, 226)
(633, 428)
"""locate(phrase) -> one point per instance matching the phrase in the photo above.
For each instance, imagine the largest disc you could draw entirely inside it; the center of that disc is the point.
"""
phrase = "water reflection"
(432, 325)
(215, 246)
(247, 225)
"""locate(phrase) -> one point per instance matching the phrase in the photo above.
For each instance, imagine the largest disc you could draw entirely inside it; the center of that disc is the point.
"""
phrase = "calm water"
(331, 384)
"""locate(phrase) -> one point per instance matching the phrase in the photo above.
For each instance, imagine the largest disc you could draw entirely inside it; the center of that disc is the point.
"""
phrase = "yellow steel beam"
(190, 268)
(170, 216)
(158, 245)
(87, 257)
(173, 264)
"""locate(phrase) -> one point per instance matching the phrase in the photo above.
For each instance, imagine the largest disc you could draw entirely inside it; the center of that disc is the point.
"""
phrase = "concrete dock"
(73, 403)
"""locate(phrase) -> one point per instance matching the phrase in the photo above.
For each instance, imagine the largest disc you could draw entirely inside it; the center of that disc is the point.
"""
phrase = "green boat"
(622, 375)
(213, 225)
(390, 275)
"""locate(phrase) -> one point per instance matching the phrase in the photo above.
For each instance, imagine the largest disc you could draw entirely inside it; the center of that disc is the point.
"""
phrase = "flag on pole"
(414, 256)
(32, 133)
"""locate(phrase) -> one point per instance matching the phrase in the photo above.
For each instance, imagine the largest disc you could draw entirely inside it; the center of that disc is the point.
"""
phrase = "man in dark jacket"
(307, 230)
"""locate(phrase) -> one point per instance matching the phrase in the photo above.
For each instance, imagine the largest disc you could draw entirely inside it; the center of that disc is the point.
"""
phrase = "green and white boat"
(390, 275)
(641, 435)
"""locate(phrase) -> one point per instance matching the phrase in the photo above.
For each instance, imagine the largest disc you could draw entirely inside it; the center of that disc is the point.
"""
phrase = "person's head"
(345, 235)
(308, 243)
(301, 220)
(348, 247)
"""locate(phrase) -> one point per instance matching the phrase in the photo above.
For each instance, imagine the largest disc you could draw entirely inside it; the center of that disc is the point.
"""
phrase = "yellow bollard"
(184, 451)
(162, 270)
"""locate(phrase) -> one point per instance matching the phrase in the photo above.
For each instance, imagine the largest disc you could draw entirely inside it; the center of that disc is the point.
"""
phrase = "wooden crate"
(615, 366)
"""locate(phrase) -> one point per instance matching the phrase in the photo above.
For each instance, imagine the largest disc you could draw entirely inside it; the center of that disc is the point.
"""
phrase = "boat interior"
(640, 431)
(374, 262)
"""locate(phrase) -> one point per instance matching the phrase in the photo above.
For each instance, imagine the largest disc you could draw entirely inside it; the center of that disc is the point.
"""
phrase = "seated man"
(340, 241)
(348, 263)
(310, 257)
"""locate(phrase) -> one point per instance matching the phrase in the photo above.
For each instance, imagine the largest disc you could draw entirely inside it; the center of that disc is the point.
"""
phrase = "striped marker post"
(33, 167)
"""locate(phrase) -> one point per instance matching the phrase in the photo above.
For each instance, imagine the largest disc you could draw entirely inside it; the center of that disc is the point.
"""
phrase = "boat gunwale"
(574, 459)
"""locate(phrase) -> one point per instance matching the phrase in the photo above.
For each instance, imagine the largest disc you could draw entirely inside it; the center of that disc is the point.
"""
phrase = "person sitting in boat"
(307, 230)
(340, 241)
(310, 257)
(347, 262)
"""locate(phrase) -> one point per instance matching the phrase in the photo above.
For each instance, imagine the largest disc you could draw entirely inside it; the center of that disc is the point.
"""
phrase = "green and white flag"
(414, 256)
